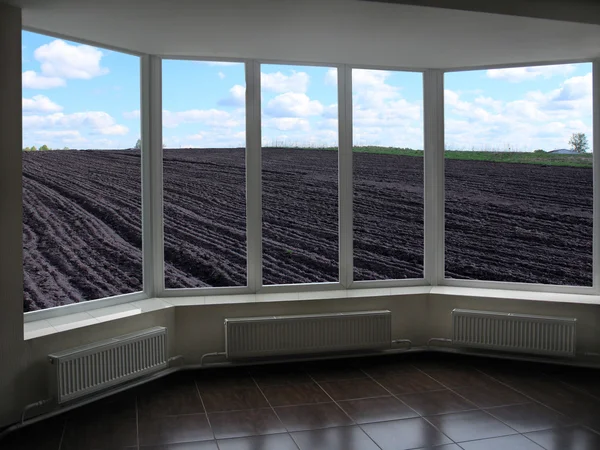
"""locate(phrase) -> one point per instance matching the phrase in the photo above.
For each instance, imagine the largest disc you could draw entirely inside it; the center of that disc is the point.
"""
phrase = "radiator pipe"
(210, 355)
(446, 340)
(34, 405)
(403, 341)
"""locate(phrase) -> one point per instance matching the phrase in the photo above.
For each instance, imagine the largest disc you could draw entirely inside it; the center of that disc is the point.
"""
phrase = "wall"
(584, 11)
(324, 31)
(195, 330)
(11, 273)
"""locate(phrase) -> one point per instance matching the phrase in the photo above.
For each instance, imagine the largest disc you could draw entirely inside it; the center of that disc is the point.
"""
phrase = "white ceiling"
(321, 31)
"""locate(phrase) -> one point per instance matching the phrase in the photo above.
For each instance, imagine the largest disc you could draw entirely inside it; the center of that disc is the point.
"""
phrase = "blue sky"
(78, 96)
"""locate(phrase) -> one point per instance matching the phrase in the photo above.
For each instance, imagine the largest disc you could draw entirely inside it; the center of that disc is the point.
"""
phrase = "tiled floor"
(411, 401)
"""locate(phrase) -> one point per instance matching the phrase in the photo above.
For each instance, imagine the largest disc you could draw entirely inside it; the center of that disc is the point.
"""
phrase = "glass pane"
(388, 174)
(299, 174)
(519, 175)
(204, 174)
(81, 173)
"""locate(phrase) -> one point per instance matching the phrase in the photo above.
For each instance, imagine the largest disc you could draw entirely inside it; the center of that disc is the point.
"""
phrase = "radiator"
(554, 336)
(254, 337)
(85, 370)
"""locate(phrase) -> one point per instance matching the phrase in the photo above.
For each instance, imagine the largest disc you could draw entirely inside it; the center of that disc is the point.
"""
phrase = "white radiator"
(514, 332)
(253, 337)
(84, 370)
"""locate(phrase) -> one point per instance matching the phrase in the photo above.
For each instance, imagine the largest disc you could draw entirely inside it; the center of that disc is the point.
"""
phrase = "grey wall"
(11, 272)
(584, 11)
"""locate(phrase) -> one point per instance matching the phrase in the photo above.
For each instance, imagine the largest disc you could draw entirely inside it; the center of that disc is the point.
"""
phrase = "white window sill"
(44, 327)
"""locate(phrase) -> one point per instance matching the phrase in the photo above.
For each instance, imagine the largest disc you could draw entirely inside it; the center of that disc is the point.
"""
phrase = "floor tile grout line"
(137, 424)
(62, 434)
(390, 392)
(577, 422)
(274, 412)
(344, 411)
(464, 398)
(206, 413)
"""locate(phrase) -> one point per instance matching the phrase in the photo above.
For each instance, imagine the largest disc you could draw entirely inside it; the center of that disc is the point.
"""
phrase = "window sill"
(44, 327)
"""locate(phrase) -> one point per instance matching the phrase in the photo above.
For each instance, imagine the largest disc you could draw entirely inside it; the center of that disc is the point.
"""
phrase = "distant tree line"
(43, 148)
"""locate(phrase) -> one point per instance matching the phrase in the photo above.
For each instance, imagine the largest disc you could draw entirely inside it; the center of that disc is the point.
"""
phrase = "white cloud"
(63, 60)
(292, 104)
(237, 97)
(210, 117)
(536, 120)
(98, 122)
(40, 103)
(279, 83)
(221, 75)
(519, 74)
(287, 124)
(331, 77)
(135, 114)
(31, 80)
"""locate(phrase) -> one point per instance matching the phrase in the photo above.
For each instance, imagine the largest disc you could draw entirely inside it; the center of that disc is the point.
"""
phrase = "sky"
(83, 97)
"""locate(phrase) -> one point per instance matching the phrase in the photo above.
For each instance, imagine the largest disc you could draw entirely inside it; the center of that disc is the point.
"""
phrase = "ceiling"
(320, 31)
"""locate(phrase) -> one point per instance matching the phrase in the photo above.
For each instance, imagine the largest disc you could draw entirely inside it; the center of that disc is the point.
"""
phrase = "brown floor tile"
(343, 438)
(310, 417)
(174, 429)
(101, 434)
(459, 377)
(226, 399)
(269, 442)
(296, 394)
(530, 417)
(571, 438)
(470, 426)
(515, 442)
(405, 434)
(436, 402)
(121, 406)
(492, 395)
(45, 435)
(335, 370)
(232, 378)
(203, 445)
(377, 409)
(280, 375)
(170, 401)
(408, 382)
(250, 422)
(353, 389)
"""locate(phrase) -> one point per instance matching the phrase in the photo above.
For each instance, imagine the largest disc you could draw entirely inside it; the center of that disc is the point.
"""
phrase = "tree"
(27, 149)
(34, 149)
(66, 148)
(44, 147)
(579, 142)
(138, 144)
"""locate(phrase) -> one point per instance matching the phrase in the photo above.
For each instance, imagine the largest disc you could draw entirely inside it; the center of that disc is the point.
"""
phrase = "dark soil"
(82, 221)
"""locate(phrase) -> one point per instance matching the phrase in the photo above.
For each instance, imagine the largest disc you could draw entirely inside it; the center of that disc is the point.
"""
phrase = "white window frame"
(434, 189)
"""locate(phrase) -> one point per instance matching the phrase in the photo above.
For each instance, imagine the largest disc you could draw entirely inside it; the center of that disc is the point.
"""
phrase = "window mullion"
(253, 176)
(433, 111)
(152, 177)
(345, 195)
(596, 174)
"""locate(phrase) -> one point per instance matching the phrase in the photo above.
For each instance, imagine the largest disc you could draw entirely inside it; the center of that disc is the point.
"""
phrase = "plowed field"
(82, 221)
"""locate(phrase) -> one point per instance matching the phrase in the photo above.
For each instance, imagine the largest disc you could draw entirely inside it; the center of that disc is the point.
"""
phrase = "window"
(204, 174)
(82, 236)
(299, 174)
(388, 174)
(519, 175)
